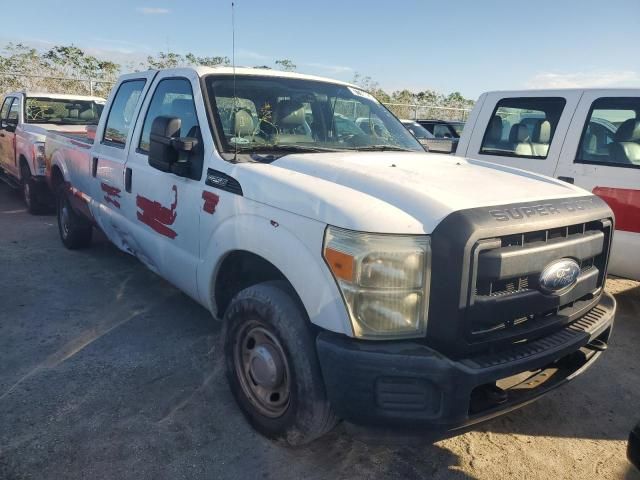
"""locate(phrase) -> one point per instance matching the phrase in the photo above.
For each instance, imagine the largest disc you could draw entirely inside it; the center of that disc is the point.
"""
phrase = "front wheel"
(75, 231)
(30, 192)
(272, 365)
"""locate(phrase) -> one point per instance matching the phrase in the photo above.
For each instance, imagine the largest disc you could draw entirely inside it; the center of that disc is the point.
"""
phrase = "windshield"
(458, 127)
(418, 131)
(291, 114)
(62, 111)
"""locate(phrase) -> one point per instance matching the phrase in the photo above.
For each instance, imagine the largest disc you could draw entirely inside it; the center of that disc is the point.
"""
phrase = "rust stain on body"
(156, 216)
(210, 202)
(112, 194)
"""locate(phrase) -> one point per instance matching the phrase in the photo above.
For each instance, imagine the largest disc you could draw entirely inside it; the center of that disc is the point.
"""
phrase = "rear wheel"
(75, 231)
(272, 365)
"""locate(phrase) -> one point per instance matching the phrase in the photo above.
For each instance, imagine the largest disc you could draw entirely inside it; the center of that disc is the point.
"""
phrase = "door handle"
(566, 179)
(127, 180)
(94, 167)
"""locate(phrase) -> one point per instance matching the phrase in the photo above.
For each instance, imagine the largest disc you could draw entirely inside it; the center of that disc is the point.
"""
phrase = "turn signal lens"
(341, 264)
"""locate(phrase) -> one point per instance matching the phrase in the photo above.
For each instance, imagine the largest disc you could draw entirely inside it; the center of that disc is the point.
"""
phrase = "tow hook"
(597, 345)
(487, 396)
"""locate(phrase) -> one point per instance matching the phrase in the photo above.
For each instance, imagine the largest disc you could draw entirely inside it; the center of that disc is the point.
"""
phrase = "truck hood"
(394, 192)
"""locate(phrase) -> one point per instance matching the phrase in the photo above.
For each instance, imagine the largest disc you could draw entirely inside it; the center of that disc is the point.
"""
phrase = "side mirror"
(161, 153)
(10, 124)
(165, 146)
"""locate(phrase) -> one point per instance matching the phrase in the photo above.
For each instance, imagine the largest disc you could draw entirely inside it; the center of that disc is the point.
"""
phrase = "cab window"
(14, 111)
(121, 114)
(611, 135)
(522, 127)
(5, 108)
(173, 97)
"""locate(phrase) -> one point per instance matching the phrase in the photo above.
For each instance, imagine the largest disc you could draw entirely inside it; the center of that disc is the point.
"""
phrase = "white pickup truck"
(590, 137)
(25, 118)
(357, 276)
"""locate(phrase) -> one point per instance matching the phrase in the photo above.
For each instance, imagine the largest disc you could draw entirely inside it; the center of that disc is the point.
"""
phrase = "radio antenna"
(233, 65)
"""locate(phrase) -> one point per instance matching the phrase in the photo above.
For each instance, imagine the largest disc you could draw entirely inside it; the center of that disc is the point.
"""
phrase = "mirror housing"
(161, 152)
(9, 124)
(165, 146)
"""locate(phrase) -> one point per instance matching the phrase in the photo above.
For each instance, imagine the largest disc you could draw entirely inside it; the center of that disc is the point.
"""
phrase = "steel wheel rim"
(64, 219)
(262, 369)
(26, 192)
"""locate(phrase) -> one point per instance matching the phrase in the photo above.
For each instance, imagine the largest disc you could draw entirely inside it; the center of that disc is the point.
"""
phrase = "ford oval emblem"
(559, 276)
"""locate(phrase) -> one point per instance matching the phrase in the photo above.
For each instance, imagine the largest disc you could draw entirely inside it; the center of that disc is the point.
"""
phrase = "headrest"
(542, 132)
(519, 133)
(243, 123)
(495, 129)
(182, 107)
(289, 114)
(628, 131)
(87, 114)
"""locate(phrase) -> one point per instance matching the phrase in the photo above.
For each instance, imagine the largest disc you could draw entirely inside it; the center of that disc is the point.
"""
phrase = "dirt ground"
(108, 372)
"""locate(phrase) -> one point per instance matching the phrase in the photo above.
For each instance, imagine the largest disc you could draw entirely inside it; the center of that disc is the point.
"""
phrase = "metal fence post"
(91, 87)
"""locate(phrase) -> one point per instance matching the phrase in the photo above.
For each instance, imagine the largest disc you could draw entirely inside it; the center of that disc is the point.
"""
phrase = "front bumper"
(409, 385)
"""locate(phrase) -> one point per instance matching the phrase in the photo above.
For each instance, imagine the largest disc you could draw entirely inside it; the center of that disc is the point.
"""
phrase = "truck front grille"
(506, 299)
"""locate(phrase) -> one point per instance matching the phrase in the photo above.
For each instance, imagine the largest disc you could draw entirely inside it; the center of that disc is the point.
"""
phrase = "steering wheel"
(35, 113)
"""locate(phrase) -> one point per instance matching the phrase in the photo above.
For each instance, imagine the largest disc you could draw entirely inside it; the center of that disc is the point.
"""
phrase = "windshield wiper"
(383, 148)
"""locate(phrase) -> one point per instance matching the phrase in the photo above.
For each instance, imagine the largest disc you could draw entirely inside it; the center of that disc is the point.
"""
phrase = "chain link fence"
(11, 82)
(415, 112)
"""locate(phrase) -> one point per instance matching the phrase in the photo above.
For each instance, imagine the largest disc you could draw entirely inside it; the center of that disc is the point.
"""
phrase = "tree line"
(67, 68)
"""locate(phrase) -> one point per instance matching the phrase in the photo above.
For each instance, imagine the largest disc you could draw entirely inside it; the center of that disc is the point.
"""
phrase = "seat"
(520, 140)
(493, 139)
(290, 120)
(541, 138)
(625, 148)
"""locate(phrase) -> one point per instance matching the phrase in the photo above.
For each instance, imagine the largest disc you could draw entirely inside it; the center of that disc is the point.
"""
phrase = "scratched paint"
(112, 194)
(210, 202)
(625, 204)
(156, 216)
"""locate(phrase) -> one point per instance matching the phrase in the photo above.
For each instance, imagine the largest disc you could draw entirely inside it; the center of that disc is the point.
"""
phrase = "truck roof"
(556, 91)
(61, 96)
(243, 71)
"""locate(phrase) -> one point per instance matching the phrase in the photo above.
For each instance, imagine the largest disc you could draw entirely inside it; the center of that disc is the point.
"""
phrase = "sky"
(466, 46)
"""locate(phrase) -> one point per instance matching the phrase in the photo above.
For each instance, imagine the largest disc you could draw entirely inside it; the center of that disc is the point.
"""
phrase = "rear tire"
(272, 365)
(75, 231)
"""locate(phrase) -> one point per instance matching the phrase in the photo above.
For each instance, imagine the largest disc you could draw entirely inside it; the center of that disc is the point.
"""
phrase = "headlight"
(38, 158)
(384, 280)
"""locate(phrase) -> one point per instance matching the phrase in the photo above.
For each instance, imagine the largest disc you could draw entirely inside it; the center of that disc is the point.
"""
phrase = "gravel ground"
(106, 371)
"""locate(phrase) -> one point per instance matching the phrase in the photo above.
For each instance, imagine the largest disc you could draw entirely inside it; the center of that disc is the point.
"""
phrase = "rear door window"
(611, 135)
(522, 127)
(121, 113)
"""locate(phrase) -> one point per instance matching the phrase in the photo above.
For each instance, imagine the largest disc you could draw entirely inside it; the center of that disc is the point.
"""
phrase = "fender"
(57, 160)
(277, 243)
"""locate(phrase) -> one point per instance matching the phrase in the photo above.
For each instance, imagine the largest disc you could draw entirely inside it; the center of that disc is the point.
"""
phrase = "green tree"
(286, 65)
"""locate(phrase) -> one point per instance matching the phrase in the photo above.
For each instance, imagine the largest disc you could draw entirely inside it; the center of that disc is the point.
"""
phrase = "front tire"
(272, 366)
(75, 231)
(30, 192)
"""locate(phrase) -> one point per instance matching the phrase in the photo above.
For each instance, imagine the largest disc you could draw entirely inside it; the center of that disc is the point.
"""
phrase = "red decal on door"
(156, 216)
(111, 194)
(210, 202)
(625, 203)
